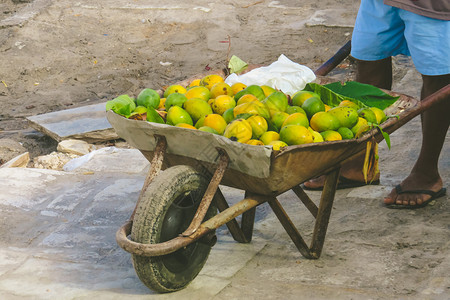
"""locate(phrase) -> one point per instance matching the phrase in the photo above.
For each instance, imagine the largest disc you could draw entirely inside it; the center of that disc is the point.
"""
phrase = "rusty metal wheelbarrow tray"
(257, 169)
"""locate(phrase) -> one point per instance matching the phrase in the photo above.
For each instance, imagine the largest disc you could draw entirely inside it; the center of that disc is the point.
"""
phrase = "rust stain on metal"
(182, 241)
(155, 167)
(209, 194)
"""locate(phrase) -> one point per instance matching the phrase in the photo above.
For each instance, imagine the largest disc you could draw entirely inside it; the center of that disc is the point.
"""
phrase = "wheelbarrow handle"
(394, 123)
(335, 60)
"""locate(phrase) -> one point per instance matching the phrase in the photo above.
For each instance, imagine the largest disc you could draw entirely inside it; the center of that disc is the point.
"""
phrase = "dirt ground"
(75, 54)
(66, 54)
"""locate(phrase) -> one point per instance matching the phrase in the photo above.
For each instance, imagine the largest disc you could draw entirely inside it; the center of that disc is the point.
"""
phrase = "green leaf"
(368, 94)
(385, 135)
(387, 139)
(328, 96)
(236, 65)
(153, 116)
(122, 105)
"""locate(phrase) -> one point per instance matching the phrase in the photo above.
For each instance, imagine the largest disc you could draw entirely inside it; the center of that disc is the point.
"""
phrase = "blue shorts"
(382, 31)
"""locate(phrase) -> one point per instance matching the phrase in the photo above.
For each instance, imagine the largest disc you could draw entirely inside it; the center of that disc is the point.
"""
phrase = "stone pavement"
(58, 240)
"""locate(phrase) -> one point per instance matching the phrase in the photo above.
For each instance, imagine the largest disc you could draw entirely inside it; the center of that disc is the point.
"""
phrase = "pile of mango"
(255, 115)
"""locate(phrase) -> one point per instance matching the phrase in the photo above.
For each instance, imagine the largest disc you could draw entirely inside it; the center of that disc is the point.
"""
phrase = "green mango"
(277, 101)
(177, 115)
(148, 98)
(175, 99)
(256, 90)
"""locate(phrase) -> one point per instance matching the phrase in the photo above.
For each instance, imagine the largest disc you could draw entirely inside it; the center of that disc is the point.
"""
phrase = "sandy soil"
(74, 54)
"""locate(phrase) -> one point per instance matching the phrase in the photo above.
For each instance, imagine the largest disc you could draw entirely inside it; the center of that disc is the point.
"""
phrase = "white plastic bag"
(283, 74)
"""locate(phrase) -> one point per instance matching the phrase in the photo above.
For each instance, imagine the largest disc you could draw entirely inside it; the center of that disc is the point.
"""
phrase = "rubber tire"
(159, 273)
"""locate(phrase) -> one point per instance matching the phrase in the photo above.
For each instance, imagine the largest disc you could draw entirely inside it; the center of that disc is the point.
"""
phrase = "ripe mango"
(277, 101)
(239, 130)
(278, 119)
(197, 108)
(277, 145)
(379, 113)
(322, 121)
(221, 88)
(269, 136)
(259, 126)
(368, 114)
(296, 135)
(198, 92)
(210, 80)
(177, 115)
(221, 103)
(254, 108)
(174, 88)
(208, 129)
(300, 97)
(215, 121)
(347, 116)
(296, 119)
(331, 135)
(253, 89)
(268, 90)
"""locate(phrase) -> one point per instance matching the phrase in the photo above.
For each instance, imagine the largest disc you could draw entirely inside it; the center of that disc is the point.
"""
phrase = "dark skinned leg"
(379, 74)
(435, 124)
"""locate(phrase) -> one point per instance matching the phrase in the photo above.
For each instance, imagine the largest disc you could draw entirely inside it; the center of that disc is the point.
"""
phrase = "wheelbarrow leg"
(321, 214)
(244, 232)
(290, 227)
(247, 221)
(311, 206)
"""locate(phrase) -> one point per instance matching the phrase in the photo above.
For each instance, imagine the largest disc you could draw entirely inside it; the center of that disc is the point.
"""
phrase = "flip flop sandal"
(434, 195)
(345, 183)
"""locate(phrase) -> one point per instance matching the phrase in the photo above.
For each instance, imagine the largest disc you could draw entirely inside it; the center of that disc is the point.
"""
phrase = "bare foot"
(343, 183)
(414, 182)
(315, 183)
(351, 175)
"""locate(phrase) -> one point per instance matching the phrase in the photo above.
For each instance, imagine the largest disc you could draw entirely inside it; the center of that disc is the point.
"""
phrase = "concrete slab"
(109, 159)
(88, 123)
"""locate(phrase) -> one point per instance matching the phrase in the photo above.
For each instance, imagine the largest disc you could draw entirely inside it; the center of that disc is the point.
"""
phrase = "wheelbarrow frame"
(246, 207)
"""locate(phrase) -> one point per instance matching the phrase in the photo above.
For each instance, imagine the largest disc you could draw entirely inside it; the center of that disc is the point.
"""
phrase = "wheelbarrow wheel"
(165, 210)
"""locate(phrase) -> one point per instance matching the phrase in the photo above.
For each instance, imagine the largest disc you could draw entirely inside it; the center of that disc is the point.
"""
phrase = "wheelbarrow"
(172, 228)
